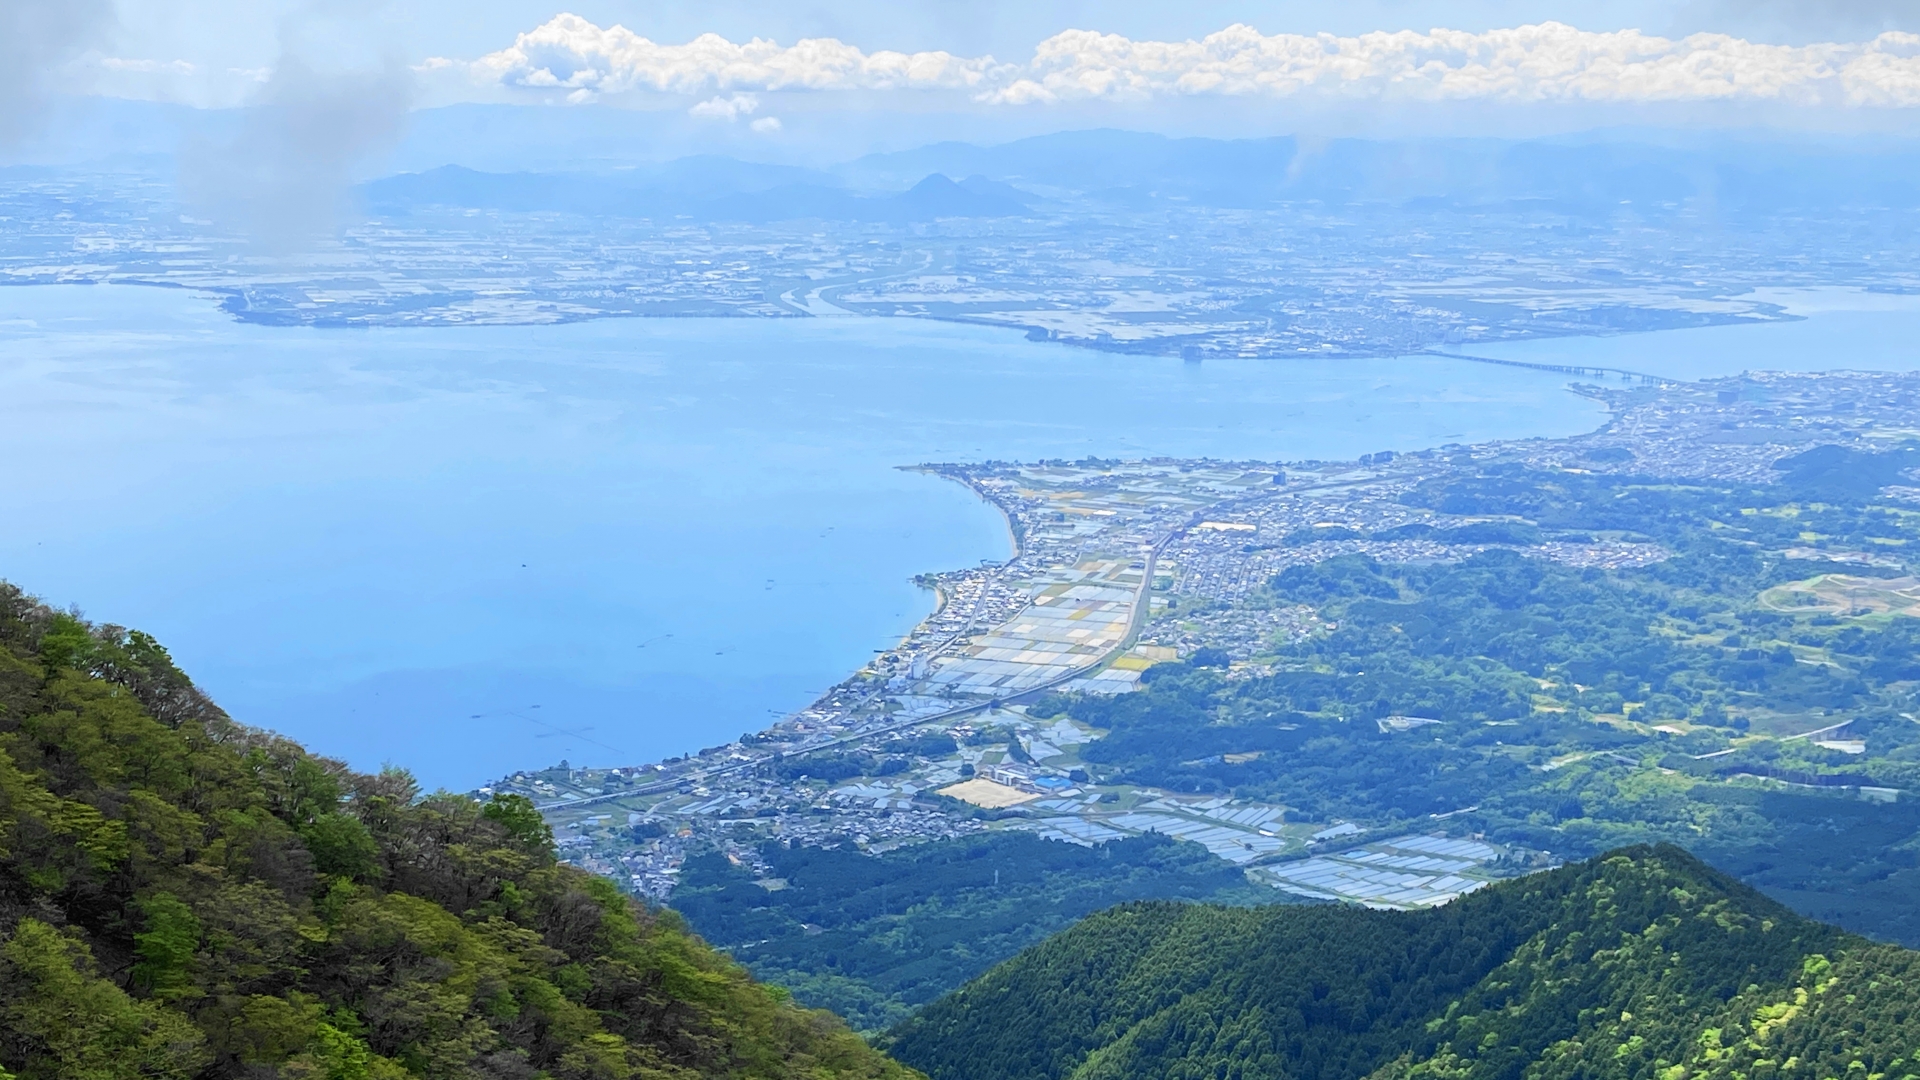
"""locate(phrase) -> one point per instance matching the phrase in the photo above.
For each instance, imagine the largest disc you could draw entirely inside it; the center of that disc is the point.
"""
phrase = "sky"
(242, 34)
(793, 80)
(215, 52)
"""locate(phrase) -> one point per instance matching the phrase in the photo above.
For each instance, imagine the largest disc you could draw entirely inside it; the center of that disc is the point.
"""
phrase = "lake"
(474, 550)
(1837, 329)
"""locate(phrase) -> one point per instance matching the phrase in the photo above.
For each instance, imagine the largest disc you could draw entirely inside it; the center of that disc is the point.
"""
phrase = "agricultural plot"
(1402, 873)
(1845, 595)
(1239, 833)
(988, 794)
(1073, 620)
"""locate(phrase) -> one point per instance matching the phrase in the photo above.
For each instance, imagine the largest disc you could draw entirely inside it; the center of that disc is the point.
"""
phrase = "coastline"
(919, 385)
(954, 474)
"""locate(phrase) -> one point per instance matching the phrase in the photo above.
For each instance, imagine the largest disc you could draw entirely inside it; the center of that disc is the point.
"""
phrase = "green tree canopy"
(182, 896)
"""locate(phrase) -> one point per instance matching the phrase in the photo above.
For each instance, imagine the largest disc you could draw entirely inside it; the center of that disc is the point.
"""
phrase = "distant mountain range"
(1640, 963)
(616, 161)
(703, 188)
(1122, 169)
(1581, 174)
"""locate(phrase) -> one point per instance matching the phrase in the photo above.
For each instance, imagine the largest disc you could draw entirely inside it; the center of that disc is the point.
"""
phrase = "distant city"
(1283, 254)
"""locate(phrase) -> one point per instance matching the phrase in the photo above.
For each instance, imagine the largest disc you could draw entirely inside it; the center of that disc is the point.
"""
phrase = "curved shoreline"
(946, 472)
(950, 389)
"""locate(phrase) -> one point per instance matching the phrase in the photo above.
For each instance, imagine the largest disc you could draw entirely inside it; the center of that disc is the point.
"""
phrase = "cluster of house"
(1027, 778)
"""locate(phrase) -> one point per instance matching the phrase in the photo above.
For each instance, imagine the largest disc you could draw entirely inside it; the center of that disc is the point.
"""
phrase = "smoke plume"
(285, 179)
(37, 39)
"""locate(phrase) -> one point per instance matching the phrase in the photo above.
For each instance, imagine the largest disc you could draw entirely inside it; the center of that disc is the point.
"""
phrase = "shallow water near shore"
(474, 550)
(1837, 329)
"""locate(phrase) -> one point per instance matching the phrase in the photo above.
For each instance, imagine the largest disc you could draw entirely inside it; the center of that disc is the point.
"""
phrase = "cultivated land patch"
(987, 793)
(1846, 594)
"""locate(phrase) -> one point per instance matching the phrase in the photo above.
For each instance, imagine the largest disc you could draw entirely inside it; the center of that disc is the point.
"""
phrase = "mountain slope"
(1641, 963)
(875, 937)
(181, 896)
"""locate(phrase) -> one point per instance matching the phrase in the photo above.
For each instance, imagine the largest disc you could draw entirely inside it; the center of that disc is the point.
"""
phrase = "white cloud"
(147, 67)
(766, 125)
(1548, 62)
(1544, 63)
(570, 53)
(725, 108)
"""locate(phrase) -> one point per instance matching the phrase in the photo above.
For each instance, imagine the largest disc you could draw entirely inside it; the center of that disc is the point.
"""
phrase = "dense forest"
(1643, 963)
(872, 938)
(182, 896)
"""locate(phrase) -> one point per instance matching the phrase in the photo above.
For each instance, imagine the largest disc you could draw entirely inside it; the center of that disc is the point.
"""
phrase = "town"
(1184, 280)
(1123, 566)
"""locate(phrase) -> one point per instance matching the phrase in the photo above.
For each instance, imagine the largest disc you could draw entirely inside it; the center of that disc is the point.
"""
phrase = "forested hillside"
(1640, 963)
(874, 938)
(181, 896)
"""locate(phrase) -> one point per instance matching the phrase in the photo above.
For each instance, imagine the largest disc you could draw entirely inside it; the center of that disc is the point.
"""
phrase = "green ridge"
(874, 938)
(181, 896)
(1642, 963)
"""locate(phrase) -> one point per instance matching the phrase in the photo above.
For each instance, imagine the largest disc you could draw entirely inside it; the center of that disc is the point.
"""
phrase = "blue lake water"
(475, 550)
(1838, 329)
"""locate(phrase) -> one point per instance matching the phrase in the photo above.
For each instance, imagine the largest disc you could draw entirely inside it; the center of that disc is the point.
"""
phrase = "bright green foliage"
(182, 897)
(166, 947)
(517, 815)
(1852, 1018)
(1643, 963)
(60, 1021)
(341, 846)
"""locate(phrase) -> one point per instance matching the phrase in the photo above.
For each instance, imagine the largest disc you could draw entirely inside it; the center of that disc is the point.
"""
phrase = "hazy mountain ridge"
(1595, 173)
(1642, 962)
(1588, 177)
(1758, 171)
(706, 189)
